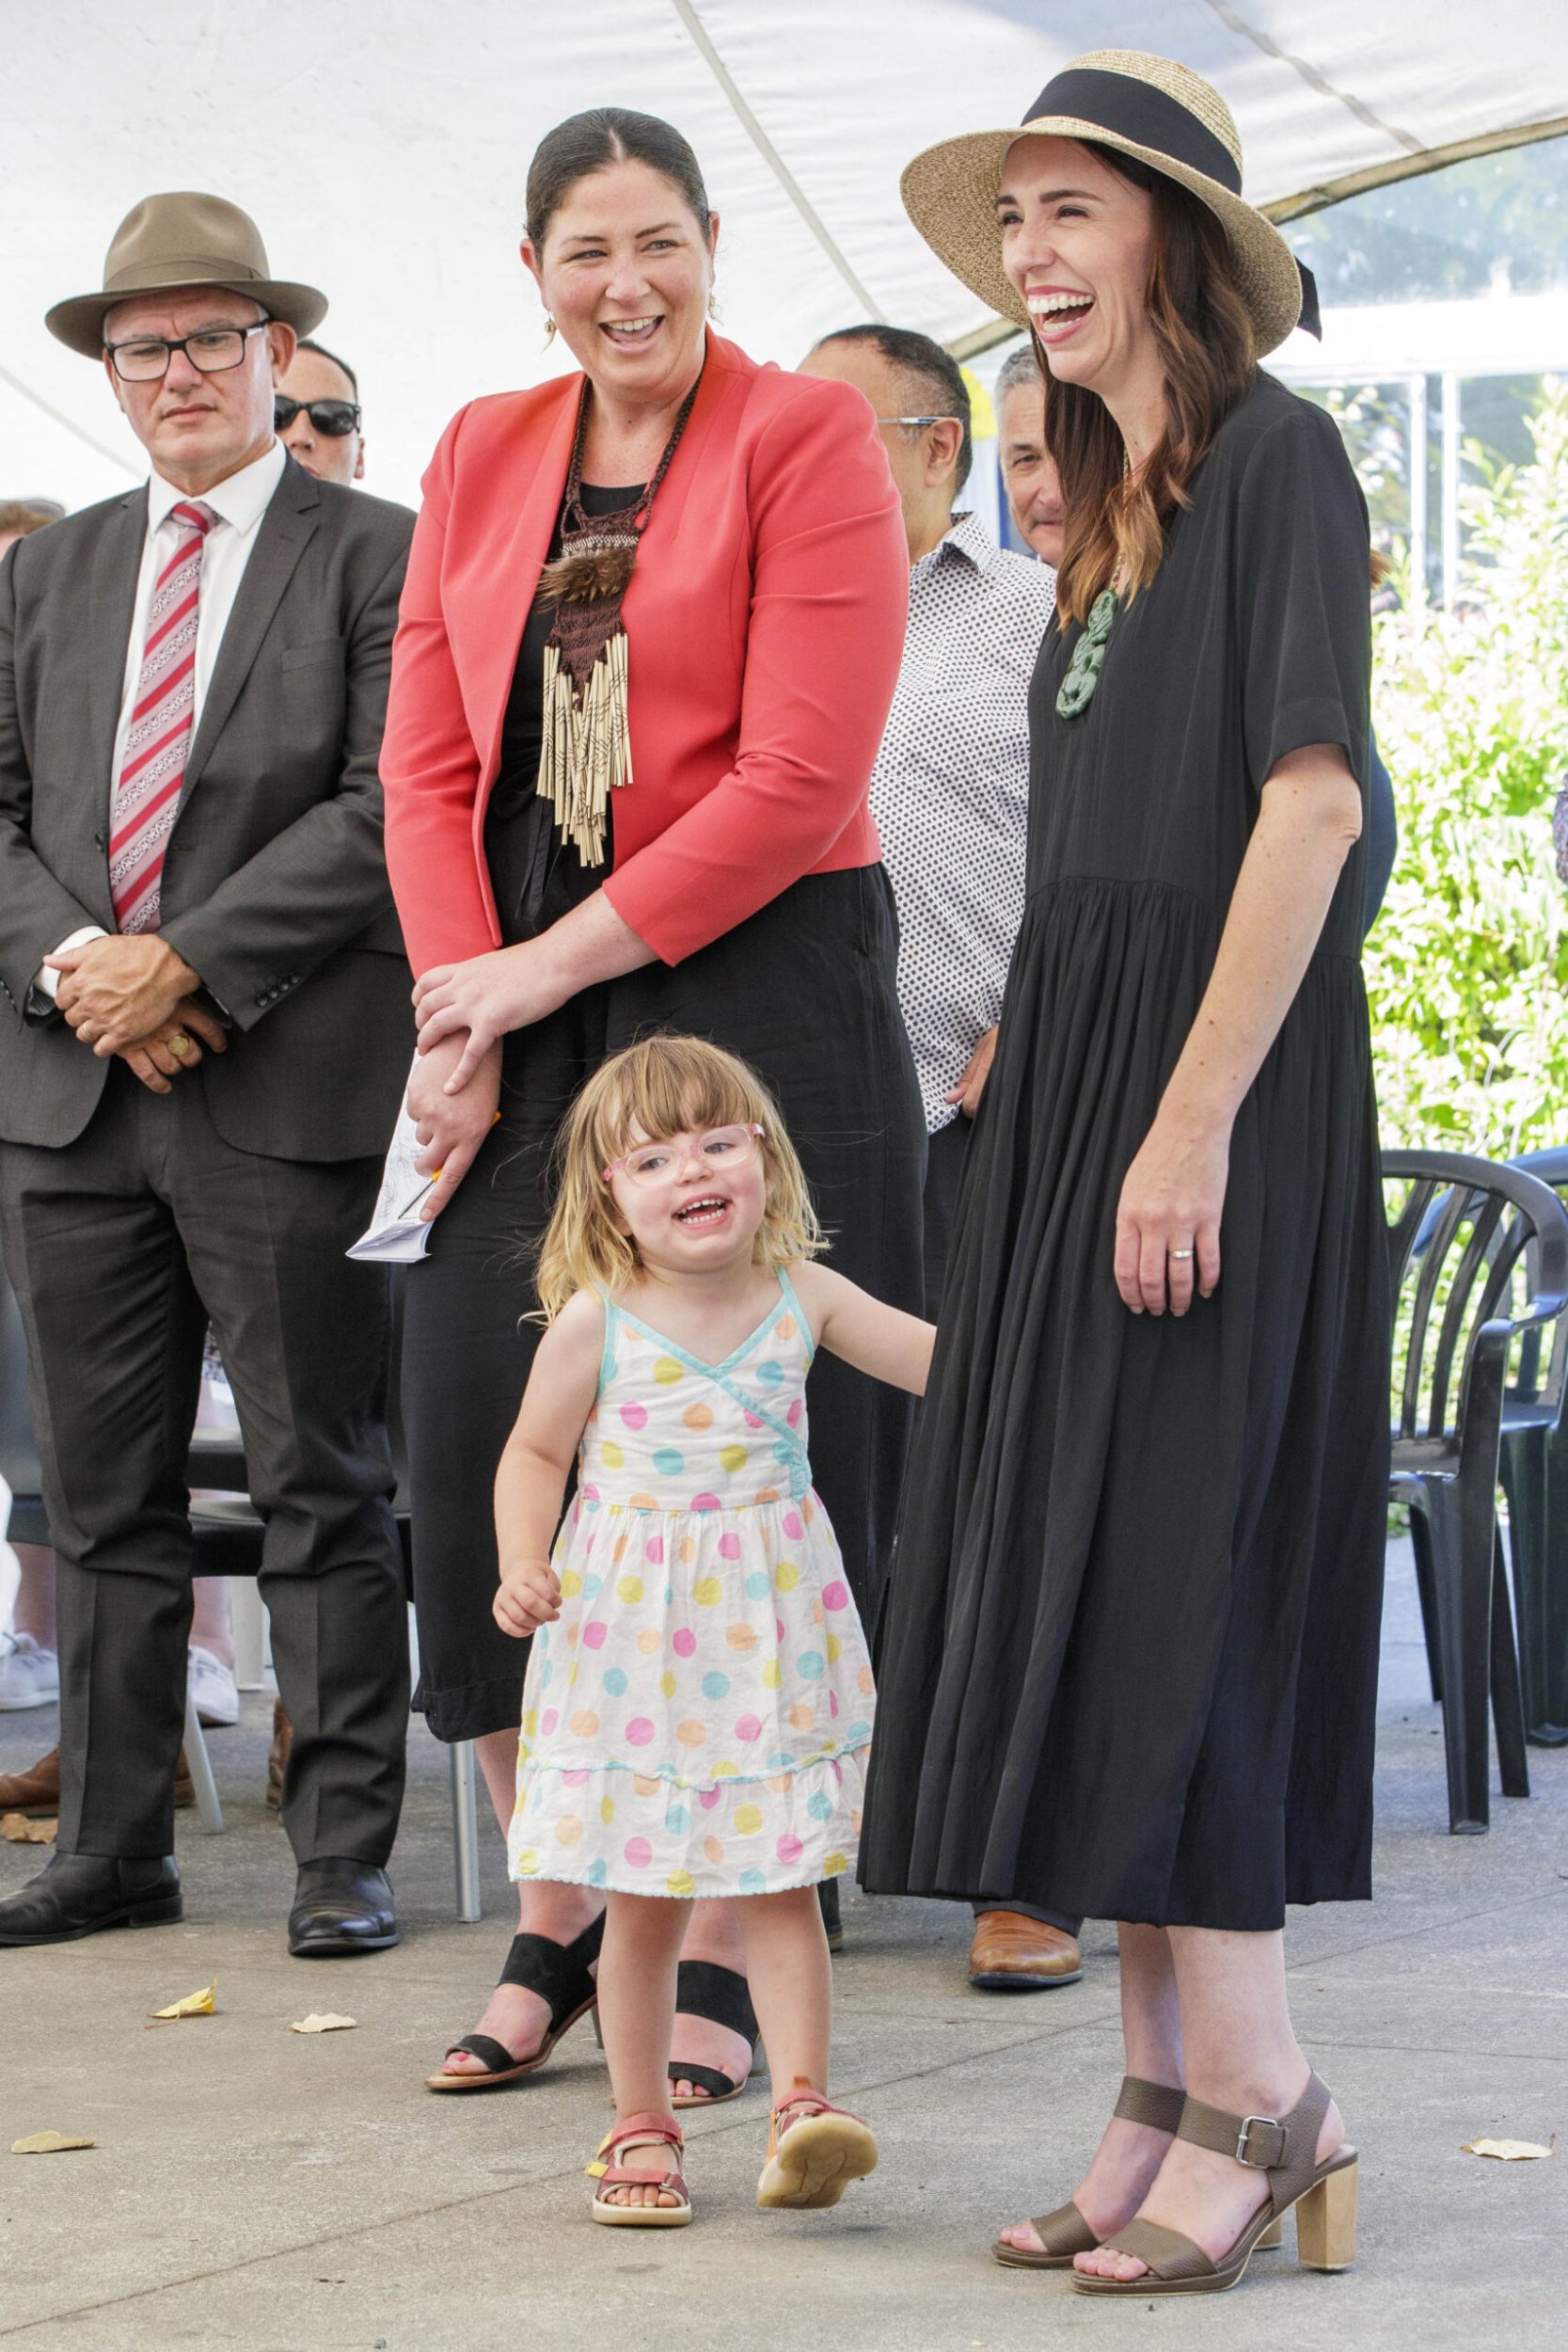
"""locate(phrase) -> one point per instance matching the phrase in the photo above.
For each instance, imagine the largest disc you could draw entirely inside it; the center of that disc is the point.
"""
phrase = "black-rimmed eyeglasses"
(333, 418)
(211, 350)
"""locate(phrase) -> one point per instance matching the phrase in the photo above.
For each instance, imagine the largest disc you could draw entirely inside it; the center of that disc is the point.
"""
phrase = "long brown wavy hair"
(1114, 519)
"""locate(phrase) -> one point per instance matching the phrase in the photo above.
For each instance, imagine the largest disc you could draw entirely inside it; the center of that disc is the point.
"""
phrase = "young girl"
(697, 1712)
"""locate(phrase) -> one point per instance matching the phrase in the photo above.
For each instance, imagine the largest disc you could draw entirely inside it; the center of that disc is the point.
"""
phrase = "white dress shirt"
(950, 793)
(239, 504)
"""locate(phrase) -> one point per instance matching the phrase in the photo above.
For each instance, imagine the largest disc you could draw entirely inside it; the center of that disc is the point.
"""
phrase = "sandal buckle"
(1244, 2138)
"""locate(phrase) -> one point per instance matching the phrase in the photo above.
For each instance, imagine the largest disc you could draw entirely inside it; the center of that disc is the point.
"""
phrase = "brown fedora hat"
(169, 242)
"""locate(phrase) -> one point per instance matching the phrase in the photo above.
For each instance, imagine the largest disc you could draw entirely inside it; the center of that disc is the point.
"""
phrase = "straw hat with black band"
(1150, 108)
(176, 243)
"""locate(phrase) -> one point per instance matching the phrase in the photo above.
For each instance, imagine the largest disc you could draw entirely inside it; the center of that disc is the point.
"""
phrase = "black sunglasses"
(332, 417)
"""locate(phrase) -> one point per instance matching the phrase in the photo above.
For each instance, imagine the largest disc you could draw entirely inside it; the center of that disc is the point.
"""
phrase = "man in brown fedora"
(207, 1038)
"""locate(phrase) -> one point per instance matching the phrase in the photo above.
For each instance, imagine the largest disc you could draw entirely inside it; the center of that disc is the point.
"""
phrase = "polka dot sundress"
(698, 1719)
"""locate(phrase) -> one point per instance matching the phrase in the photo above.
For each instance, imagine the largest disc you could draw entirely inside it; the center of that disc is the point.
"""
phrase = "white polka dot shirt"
(950, 793)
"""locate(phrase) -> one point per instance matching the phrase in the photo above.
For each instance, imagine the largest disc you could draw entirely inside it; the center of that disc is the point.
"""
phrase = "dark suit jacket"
(275, 883)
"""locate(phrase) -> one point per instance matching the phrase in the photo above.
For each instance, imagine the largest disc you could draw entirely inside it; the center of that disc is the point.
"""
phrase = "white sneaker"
(29, 1677)
(213, 1688)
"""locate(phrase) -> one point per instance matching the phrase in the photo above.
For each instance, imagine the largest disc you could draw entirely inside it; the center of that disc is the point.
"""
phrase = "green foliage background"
(1447, 234)
(1468, 966)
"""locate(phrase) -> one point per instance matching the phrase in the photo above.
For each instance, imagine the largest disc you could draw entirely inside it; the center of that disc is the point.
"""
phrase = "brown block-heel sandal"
(607, 2174)
(704, 1989)
(1064, 2233)
(558, 1973)
(813, 2152)
(1284, 2150)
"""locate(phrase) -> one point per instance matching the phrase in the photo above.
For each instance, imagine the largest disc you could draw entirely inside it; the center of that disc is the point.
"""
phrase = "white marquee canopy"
(382, 149)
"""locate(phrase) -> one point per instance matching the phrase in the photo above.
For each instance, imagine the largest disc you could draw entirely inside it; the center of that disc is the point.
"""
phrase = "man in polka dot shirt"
(950, 795)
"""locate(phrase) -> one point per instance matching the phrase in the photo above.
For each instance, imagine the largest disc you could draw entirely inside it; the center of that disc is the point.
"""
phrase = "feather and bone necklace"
(585, 750)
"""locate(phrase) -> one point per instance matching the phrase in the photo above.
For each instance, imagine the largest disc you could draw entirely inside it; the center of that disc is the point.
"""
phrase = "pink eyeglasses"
(657, 1162)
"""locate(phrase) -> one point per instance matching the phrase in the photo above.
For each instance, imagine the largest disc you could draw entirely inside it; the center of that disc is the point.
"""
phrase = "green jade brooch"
(1089, 659)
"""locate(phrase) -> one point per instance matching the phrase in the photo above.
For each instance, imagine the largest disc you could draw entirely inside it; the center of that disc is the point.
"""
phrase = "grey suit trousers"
(120, 1247)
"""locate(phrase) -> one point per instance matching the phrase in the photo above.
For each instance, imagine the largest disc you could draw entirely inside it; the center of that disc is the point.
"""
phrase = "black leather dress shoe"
(340, 1908)
(77, 1894)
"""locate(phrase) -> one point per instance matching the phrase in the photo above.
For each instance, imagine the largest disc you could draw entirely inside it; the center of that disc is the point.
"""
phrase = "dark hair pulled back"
(588, 142)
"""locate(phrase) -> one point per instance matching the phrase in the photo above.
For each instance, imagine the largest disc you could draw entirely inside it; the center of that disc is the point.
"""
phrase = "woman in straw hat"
(1131, 1648)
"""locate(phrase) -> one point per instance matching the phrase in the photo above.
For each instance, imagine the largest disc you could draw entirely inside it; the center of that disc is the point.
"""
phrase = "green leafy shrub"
(1467, 967)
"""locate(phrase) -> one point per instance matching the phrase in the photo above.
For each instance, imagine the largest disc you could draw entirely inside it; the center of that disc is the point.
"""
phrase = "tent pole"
(1451, 448)
(1417, 393)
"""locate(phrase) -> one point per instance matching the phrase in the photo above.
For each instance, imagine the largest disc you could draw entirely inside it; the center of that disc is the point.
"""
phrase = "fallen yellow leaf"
(1510, 2150)
(194, 2005)
(18, 1831)
(48, 2144)
(328, 2023)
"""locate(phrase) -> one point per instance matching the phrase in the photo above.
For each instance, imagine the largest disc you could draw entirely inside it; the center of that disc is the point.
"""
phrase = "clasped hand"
(451, 1127)
(128, 996)
(529, 1597)
(119, 990)
(175, 1047)
(1171, 1201)
(486, 996)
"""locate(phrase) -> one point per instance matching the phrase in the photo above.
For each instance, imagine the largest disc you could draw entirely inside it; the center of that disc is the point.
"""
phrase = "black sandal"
(559, 1974)
(704, 1989)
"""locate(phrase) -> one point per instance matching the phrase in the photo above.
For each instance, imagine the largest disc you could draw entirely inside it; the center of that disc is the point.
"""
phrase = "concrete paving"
(254, 2188)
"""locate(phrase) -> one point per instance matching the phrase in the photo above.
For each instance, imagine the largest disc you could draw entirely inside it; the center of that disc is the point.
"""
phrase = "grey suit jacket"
(275, 884)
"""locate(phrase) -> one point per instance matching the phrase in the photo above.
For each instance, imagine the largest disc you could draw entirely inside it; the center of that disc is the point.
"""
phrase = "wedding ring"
(1179, 1253)
(180, 1044)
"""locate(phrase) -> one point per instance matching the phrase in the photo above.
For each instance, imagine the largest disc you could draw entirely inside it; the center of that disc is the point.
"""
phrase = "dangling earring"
(713, 310)
(549, 328)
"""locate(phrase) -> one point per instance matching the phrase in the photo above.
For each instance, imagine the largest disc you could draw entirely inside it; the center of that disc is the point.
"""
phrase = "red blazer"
(765, 620)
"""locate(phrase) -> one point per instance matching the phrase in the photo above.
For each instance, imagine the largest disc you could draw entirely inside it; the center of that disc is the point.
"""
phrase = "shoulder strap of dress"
(606, 1354)
(798, 1312)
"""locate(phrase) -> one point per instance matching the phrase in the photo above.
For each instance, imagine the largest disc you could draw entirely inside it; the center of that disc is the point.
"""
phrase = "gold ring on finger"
(178, 1043)
(1179, 1253)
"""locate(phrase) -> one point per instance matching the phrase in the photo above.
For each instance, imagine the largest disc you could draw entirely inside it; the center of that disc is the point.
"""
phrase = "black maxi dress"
(1131, 1655)
(805, 991)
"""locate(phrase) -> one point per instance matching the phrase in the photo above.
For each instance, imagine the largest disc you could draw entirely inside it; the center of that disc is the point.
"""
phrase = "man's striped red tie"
(158, 741)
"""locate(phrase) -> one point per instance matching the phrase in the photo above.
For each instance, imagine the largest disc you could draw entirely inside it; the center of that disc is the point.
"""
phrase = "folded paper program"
(395, 1235)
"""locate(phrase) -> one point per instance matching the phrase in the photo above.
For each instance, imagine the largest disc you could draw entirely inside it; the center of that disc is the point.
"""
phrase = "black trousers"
(945, 1154)
(805, 992)
(121, 1248)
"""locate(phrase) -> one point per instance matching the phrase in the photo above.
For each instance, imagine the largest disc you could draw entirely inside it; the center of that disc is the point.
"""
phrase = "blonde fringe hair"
(662, 1086)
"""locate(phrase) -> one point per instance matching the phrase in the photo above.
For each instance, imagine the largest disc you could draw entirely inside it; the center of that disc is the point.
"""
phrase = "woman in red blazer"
(741, 896)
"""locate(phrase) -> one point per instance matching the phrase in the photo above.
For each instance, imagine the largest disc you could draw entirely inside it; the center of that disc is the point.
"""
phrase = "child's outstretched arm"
(876, 1339)
(537, 1458)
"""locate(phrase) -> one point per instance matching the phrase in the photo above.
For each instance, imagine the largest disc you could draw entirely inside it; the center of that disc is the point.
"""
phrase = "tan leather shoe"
(1012, 1954)
(36, 1792)
(277, 1755)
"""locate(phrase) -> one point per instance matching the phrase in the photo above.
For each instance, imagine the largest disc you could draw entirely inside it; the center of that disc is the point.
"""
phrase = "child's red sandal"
(609, 2174)
(813, 2152)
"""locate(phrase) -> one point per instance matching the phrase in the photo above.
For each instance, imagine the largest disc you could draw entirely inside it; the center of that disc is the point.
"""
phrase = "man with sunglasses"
(208, 1040)
(317, 414)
